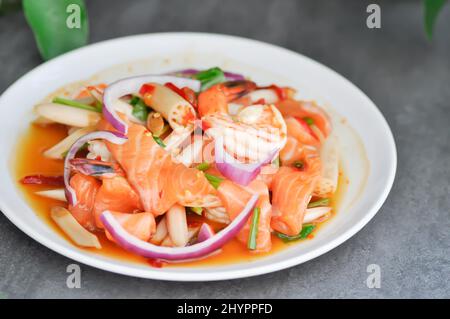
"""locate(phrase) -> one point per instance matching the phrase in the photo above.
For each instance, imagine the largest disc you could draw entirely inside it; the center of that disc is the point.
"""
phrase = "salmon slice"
(302, 109)
(158, 180)
(86, 188)
(291, 192)
(263, 237)
(140, 225)
(115, 194)
(299, 129)
(233, 197)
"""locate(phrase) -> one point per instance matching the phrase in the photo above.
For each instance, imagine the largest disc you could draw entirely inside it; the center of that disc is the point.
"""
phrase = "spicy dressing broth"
(30, 161)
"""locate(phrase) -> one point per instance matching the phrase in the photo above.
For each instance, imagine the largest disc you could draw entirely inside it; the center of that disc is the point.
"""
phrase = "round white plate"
(368, 153)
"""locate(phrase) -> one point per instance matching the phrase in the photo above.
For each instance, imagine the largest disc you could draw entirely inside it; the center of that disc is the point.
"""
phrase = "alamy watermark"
(73, 20)
(374, 19)
(74, 278)
(374, 279)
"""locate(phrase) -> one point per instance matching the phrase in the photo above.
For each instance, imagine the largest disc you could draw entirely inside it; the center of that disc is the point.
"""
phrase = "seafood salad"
(173, 167)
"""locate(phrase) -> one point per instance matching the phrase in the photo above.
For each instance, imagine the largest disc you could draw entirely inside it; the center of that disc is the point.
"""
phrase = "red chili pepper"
(157, 263)
(260, 101)
(189, 95)
(146, 89)
(43, 180)
(306, 126)
(186, 93)
(281, 92)
(174, 88)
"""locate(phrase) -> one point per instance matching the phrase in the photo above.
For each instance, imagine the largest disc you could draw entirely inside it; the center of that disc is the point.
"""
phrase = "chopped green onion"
(140, 110)
(276, 161)
(319, 202)
(306, 230)
(251, 244)
(164, 130)
(159, 141)
(213, 180)
(60, 100)
(203, 166)
(210, 77)
(299, 164)
(197, 210)
(308, 120)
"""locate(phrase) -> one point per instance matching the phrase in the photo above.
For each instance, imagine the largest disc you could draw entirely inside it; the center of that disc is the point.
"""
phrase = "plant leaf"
(432, 9)
(49, 20)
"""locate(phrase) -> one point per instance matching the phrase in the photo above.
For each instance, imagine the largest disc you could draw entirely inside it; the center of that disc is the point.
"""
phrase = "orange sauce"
(30, 161)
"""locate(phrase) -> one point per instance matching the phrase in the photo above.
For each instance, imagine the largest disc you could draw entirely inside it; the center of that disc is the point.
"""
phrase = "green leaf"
(159, 141)
(203, 166)
(213, 180)
(210, 77)
(140, 110)
(253, 236)
(319, 202)
(306, 230)
(58, 25)
(432, 9)
(197, 210)
(72, 103)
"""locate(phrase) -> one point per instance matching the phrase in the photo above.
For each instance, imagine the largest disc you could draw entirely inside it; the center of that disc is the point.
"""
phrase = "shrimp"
(253, 133)
(215, 99)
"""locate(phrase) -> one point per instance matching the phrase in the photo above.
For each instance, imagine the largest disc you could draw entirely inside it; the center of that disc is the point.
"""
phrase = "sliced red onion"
(112, 137)
(132, 85)
(205, 233)
(235, 171)
(230, 76)
(199, 250)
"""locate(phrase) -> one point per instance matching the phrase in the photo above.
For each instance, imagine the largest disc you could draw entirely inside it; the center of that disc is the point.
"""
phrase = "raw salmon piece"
(302, 109)
(140, 225)
(263, 238)
(233, 197)
(159, 181)
(115, 194)
(299, 129)
(86, 188)
(291, 191)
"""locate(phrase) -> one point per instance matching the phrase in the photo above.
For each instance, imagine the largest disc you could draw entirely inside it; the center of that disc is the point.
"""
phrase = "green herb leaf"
(213, 180)
(308, 120)
(197, 210)
(60, 100)
(203, 166)
(432, 9)
(306, 230)
(251, 244)
(58, 26)
(140, 110)
(210, 77)
(159, 141)
(319, 202)
(276, 161)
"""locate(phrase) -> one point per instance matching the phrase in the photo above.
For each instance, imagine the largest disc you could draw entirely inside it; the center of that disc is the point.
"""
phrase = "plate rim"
(150, 273)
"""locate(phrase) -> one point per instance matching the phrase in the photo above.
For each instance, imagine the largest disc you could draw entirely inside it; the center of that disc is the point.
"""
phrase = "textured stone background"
(408, 78)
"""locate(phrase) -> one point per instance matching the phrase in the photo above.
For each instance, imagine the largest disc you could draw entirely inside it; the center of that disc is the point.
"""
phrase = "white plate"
(367, 146)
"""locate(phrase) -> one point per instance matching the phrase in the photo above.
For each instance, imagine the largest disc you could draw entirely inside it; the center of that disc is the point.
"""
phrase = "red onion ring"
(132, 85)
(112, 137)
(205, 233)
(235, 171)
(199, 250)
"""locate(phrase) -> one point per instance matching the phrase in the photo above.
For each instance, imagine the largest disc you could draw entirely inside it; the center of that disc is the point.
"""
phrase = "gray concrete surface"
(408, 78)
